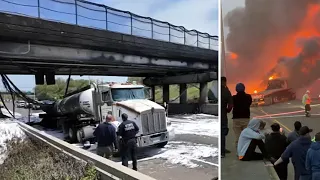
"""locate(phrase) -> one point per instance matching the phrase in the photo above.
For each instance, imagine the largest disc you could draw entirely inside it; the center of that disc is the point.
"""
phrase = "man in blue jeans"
(226, 107)
(297, 151)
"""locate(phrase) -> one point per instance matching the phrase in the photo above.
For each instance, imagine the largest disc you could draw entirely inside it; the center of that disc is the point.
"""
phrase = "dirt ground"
(32, 160)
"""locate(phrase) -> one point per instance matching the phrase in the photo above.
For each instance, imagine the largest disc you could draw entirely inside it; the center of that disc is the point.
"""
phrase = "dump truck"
(79, 113)
(277, 91)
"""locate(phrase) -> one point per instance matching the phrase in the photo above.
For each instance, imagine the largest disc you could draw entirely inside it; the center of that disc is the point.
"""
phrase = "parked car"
(20, 104)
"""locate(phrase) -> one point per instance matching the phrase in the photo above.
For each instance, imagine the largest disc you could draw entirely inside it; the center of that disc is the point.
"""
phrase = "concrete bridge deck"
(30, 44)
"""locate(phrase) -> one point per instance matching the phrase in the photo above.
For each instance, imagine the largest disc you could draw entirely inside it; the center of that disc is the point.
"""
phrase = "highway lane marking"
(293, 116)
(288, 129)
(155, 157)
(285, 113)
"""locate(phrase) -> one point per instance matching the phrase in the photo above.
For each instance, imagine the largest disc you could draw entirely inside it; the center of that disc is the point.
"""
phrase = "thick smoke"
(258, 34)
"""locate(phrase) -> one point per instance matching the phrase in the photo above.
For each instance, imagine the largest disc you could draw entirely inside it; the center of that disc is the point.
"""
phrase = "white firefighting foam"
(197, 124)
(188, 154)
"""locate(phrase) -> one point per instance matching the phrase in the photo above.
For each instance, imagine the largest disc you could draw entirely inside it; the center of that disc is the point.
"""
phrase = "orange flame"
(271, 77)
(233, 56)
(255, 91)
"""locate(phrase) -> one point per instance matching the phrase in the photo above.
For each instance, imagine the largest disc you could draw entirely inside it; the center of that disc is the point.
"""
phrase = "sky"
(188, 13)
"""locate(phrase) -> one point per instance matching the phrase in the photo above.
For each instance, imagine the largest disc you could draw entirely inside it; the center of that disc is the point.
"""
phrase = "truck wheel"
(73, 135)
(161, 145)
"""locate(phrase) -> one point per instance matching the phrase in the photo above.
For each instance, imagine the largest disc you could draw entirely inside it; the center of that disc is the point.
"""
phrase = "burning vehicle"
(277, 90)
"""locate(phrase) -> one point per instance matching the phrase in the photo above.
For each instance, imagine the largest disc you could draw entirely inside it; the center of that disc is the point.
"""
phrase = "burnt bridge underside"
(30, 45)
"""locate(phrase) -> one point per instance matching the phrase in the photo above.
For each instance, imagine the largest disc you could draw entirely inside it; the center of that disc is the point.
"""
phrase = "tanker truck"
(79, 113)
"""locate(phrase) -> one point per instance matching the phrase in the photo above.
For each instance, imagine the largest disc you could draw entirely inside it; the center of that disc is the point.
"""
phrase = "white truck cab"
(134, 101)
(130, 99)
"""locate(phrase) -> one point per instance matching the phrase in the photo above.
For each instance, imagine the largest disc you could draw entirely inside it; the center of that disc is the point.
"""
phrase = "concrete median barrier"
(106, 168)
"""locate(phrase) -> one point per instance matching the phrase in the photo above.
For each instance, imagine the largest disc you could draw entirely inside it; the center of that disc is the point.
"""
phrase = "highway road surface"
(191, 154)
(286, 114)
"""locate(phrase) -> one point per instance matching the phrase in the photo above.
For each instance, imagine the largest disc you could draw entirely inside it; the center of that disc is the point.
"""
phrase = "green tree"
(137, 79)
(56, 91)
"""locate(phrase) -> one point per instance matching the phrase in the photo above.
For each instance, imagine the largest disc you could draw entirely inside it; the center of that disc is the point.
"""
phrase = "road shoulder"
(232, 168)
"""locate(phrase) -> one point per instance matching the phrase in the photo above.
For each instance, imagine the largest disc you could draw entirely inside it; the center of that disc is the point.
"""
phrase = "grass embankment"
(32, 160)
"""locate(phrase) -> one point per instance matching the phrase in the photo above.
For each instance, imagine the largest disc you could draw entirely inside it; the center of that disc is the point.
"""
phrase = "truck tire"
(161, 145)
(73, 134)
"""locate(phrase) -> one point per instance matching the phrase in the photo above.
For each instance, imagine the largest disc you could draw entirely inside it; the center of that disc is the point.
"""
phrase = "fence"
(84, 13)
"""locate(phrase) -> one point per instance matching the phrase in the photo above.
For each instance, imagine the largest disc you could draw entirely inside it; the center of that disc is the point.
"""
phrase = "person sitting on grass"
(249, 139)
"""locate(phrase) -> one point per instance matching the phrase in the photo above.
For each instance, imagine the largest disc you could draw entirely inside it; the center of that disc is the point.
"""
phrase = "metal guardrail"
(84, 13)
(107, 169)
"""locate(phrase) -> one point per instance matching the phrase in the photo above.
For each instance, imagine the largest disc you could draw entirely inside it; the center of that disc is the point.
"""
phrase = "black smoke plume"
(255, 35)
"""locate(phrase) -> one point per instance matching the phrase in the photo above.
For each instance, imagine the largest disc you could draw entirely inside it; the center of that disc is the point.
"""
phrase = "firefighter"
(128, 143)
(306, 101)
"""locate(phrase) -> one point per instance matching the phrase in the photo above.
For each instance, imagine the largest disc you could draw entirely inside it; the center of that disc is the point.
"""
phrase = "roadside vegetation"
(32, 160)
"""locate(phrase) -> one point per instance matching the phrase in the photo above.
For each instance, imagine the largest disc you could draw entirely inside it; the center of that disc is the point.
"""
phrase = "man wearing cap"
(128, 131)
(297, 151)
(313, 158)
(241, 110)
(276, 144)
(306, 101)
(106, 137)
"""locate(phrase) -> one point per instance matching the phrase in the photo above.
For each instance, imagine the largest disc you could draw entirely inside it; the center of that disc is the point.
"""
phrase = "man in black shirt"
(226, 107)
(241, 110)
(106, 137)
(128, 130)
(276, 144)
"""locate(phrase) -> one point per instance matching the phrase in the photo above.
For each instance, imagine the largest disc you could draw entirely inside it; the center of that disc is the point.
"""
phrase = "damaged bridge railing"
(107, 169)
(85, 13)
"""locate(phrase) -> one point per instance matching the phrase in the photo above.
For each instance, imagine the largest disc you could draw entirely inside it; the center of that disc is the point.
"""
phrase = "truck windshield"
(275, 84)
(125, 94)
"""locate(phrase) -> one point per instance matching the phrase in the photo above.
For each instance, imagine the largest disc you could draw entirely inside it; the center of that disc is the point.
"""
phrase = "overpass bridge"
(77, 37)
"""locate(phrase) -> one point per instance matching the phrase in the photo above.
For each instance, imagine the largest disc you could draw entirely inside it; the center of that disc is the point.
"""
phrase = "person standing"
(313, 158)
(226, 107)
(276, 143)
(241, 110)
(106, 137)
(306, 101)
(128, 145)
(297, 151)
(292, 136)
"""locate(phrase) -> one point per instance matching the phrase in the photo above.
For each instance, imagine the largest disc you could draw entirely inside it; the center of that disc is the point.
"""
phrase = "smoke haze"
(274, 37)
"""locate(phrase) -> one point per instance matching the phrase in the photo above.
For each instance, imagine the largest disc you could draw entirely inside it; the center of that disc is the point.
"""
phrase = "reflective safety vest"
(308, 101)
(313, 139)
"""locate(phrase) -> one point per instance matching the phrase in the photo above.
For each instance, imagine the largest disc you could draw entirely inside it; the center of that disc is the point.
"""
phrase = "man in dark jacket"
(294, 134)
(128, 130)
(106, 137)
(297, 151)
(241, 110)
(226, 107)
(313, 158)
(275, 144)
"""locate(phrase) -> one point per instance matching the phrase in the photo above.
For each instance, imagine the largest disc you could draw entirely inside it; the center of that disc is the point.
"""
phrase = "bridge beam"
(181, 79)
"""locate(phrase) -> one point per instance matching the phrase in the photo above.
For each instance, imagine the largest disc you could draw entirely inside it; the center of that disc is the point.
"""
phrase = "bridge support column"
(203, 92)
(183, 93)
(166, 95)
(153, 95)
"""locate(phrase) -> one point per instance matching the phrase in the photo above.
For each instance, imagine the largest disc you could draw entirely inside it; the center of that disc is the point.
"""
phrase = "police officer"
(128, 130)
